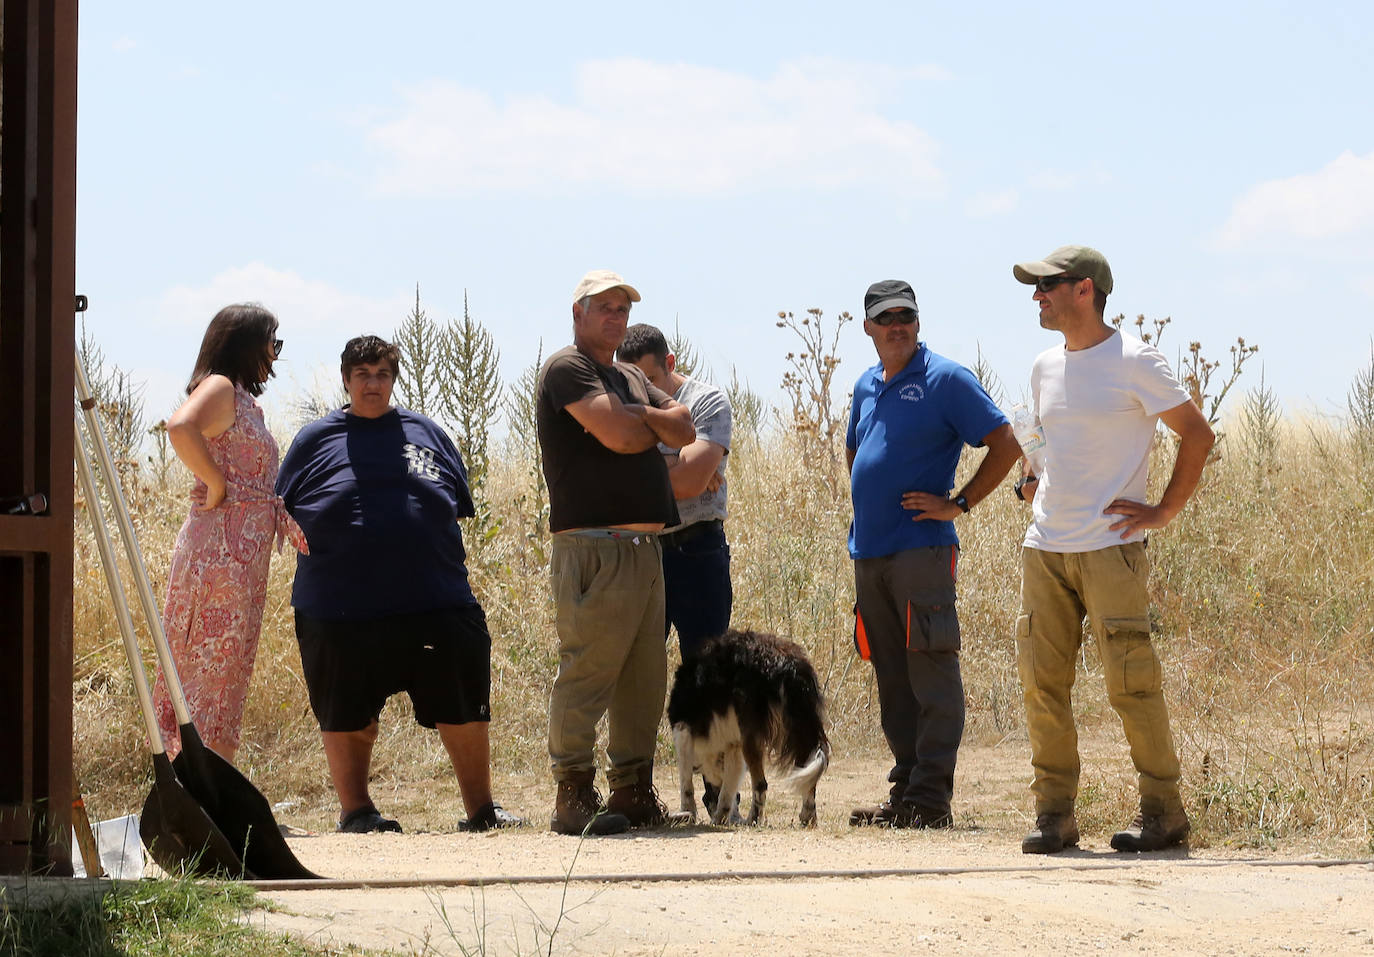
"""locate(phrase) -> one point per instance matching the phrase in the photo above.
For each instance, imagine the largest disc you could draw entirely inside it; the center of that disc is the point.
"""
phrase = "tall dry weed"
(1262, 607)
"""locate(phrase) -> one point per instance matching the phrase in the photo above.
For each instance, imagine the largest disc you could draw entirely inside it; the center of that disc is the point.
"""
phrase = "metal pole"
(121, 604)
(131, 549)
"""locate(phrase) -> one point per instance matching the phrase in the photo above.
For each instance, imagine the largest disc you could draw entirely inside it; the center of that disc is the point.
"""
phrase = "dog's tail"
(802, 716)
(802, 779)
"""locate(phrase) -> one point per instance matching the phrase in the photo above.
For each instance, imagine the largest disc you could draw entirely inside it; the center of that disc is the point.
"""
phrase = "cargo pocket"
(932, 627)
(1025, 655)
(1132, 657)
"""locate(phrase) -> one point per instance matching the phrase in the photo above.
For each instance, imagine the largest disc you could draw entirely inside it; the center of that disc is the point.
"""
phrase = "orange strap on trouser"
(860, 635)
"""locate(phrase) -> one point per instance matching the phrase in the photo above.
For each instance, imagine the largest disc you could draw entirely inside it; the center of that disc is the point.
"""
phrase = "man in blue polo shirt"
(912, 415)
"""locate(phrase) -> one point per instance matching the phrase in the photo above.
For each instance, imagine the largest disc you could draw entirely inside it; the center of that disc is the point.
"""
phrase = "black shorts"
(442, 659)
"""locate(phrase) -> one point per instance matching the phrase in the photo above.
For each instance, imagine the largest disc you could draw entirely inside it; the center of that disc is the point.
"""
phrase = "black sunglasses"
(905, 317)
(277, 347)
(1046, 283)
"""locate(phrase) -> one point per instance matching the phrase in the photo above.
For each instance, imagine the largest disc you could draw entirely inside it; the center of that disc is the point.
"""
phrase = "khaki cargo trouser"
(1109, 586)
(612, 659)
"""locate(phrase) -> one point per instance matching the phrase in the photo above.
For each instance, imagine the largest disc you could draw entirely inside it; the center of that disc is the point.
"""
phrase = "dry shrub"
(1262, 601)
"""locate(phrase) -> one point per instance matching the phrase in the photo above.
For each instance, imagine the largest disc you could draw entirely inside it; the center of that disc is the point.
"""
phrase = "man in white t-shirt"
(1098, 397)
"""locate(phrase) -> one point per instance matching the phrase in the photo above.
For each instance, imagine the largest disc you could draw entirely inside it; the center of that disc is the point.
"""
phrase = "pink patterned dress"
(217, 584)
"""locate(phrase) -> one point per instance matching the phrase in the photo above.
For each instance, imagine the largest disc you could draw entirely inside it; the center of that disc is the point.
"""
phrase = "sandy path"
(967, 890)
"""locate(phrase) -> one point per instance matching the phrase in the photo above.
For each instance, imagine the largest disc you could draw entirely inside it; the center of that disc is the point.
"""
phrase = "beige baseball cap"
(1082, 262)
(598, 281)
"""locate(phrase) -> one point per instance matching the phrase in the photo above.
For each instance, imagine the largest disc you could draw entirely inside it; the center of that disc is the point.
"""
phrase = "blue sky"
(730, 161)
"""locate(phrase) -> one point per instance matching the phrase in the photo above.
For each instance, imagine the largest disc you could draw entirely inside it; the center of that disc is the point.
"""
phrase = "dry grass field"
(1262, 604)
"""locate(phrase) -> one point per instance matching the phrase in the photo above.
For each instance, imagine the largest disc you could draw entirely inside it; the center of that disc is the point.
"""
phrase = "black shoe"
(1153, 832)
(1053, 833)
(933, 818)
(489, 818)
(905, 814)
(367, 820)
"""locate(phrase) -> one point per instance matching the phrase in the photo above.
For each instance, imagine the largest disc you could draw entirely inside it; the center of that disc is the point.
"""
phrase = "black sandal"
(367, 820)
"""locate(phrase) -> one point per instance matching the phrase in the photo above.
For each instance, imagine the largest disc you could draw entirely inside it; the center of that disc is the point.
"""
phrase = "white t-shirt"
(1099, 407)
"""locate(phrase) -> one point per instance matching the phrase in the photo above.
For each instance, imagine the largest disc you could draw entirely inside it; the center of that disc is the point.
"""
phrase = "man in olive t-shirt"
(599, 424)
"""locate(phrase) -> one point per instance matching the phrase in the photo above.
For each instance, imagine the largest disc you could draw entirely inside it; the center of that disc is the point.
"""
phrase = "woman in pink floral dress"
(217, 584)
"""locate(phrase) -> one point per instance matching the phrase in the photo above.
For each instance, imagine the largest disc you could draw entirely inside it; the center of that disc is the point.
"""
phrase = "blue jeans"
(696, 578)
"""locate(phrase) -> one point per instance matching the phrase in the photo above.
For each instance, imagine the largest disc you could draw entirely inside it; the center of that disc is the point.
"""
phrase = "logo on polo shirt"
(912, 392)
(421, 462)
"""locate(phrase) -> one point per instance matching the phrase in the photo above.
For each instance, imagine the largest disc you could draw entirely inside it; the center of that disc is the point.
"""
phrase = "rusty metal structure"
(37, 300)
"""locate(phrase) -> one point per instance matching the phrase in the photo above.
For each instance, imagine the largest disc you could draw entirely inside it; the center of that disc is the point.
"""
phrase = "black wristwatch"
(961, 502)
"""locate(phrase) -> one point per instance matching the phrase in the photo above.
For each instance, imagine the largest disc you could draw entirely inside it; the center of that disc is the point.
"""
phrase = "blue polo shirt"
(907, 435)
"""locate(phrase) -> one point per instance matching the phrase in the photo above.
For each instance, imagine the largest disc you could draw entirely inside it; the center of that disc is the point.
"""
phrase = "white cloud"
(661, 128)
(984, 205)
(299, 303)
(159, 343)
(1336, 201)
(124, 44)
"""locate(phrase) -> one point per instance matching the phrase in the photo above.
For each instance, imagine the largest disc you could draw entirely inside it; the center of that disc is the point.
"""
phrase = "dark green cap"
(1082, 262)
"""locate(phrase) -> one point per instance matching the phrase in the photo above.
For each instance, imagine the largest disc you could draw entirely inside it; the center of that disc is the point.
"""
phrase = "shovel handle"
(121, 605)
(131, 549)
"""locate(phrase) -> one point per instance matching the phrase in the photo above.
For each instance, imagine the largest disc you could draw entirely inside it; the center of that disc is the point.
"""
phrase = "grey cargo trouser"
(907, 615)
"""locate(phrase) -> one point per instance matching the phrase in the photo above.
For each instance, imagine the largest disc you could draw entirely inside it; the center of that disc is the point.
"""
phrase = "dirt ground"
(832, 890)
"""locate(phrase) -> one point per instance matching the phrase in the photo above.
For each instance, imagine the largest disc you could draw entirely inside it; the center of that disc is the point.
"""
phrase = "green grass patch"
(160, 917)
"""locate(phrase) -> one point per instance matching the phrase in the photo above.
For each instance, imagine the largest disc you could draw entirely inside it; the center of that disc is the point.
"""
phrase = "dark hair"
(235, 346)
(365, 350)
(1099, 301)
(642, 339)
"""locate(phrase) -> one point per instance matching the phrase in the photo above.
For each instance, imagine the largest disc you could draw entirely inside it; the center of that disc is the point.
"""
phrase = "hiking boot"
(367, 820)
(639, 804)
(1053, 833)
(578, 809)
(904, 814)
(490, 817)
(1153, 832)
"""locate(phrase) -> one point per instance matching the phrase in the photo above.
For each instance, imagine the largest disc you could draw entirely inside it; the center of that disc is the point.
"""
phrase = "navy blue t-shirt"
(379, 501)
(907, 435)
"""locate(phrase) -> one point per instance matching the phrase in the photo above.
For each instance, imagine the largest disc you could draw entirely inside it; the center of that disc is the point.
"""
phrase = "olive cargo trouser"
(1109, 586)
(608, 588)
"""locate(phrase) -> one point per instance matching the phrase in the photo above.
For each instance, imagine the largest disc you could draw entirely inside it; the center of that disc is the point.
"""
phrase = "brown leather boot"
(638, 802)
(577, 809)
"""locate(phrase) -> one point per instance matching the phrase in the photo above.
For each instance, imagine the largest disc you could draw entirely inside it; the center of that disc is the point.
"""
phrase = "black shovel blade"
(238, 809)
(179, 834)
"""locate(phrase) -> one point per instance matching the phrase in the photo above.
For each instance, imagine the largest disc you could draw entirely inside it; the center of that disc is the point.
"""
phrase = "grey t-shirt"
(710, 411)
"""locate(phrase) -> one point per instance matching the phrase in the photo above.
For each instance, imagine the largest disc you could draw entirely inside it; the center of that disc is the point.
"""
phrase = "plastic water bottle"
(1031, 434)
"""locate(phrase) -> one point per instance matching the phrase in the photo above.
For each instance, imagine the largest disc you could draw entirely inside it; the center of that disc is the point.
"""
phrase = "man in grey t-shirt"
(696, 558)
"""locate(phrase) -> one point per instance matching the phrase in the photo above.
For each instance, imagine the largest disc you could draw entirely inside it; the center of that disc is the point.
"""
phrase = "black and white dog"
(744, 698)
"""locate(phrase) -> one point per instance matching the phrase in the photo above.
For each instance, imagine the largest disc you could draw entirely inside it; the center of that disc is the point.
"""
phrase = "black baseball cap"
(889, 294)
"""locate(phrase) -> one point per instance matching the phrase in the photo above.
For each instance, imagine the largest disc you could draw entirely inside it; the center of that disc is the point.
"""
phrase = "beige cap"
(598, 281)
(1081, 262)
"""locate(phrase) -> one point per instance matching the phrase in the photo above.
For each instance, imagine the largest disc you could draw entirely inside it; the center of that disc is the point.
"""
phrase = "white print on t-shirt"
(912, 392)
(421, 461)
